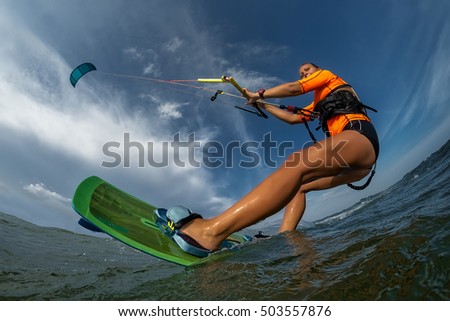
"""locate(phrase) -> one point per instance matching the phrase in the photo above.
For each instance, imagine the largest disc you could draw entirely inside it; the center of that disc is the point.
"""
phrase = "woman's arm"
(281, 114)
(288, 89)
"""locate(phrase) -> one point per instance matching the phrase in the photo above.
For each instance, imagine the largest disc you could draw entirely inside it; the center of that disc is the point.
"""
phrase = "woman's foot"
(201, 231)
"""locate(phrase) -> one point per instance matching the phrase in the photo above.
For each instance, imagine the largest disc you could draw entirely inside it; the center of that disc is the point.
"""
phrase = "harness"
(341, 102)
(338, 103)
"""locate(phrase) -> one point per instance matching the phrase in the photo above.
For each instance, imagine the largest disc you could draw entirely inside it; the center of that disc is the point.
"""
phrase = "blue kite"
(80, 71)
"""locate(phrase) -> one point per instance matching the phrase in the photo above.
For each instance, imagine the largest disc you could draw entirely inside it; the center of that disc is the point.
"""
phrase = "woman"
(345, 156)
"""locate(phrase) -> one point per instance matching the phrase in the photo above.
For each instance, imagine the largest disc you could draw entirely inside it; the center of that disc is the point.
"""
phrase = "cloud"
(440, 71)
(134, 53)
(147, 57)
(152, 70)
(253, 79)
(40, 191)
(174, 44)
(166, 109)
(63, 129)
(43, 203)
(170, 110)
(38, 105)
(261, 52)
(420, 81)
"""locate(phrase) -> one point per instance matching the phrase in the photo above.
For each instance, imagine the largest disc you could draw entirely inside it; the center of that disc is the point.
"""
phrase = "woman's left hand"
(251, 96)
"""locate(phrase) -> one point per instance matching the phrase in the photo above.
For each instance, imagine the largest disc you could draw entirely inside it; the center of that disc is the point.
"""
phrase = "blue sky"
(394, 53)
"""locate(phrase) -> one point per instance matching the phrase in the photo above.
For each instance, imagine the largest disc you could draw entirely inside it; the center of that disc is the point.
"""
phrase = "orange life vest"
(324, 83)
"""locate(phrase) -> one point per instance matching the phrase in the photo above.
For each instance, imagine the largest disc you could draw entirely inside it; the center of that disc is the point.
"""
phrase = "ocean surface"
(394, 245)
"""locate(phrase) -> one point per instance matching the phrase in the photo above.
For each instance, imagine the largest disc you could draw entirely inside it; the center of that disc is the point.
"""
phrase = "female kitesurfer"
(346, 155)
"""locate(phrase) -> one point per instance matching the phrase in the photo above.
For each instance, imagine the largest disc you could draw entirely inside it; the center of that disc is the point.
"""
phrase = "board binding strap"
(172, 220)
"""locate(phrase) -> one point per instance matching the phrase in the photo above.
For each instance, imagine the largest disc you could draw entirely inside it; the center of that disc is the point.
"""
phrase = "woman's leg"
(296, 207)
(329, 157)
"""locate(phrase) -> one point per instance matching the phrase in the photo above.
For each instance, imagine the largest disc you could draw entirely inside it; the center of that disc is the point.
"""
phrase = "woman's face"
(306, 70)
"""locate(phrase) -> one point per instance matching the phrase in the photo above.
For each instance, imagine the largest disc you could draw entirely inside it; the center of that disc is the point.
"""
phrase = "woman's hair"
(310, 63)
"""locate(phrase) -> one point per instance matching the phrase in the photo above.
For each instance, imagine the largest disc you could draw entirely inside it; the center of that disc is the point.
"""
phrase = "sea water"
(394, 245)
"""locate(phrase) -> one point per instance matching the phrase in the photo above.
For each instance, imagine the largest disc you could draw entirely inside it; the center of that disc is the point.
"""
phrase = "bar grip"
(239, 88)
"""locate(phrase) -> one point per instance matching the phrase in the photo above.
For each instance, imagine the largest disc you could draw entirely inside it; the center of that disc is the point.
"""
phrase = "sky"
(52, 136)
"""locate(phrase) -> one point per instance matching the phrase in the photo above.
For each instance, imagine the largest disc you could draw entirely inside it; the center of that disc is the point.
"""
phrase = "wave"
(390, 246)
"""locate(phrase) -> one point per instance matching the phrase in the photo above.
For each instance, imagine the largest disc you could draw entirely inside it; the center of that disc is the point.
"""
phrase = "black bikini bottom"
(365, 128)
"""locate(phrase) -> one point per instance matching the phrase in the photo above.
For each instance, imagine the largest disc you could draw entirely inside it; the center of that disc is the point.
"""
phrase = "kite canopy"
(80, 71)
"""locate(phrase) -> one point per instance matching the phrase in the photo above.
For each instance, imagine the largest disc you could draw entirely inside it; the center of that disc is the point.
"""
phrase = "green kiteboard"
(132, 221)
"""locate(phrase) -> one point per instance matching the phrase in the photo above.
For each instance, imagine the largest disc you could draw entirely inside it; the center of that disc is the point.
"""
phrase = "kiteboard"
(104, 207)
